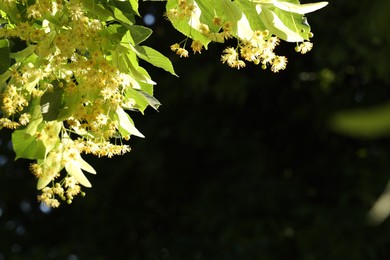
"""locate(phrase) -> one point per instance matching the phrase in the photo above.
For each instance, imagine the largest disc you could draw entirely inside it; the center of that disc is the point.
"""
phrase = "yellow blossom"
(196, 46)
(304, 47)
(279, 63)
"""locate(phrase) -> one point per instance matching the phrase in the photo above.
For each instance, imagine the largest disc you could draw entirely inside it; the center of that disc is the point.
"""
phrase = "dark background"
(235, 165)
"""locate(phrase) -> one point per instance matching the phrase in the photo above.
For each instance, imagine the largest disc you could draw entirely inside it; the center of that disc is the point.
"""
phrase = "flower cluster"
(12, 100)
(304, 47)
(193, 20)
(259, 49)
(183, 10)
(66, 190)
(66, 65)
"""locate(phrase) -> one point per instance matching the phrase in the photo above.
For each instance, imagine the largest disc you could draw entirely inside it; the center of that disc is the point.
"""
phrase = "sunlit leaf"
(138, 33)
(189, 26)
(155, 58)
(369, 123)
(21, 55)
(85, 166)
(98, 9)
(126, 125)
(300, 8)
(73, 169)
(52, 104)
(48, 164)
(27, 146)
(381, 208)
(282, 24)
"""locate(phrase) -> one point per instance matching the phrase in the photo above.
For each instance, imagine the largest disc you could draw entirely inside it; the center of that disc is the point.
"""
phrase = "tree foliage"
(70, 70)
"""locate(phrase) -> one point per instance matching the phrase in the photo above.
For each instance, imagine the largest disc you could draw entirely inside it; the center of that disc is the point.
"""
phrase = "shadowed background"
(235, 165)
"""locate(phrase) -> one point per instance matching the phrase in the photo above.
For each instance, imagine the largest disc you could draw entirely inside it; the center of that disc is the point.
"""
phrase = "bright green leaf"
(126, 125)
(98, 9)
(48, 164)
(300, 8)
(139, 33)
(73, 169)
(249, 10)
(134, 6)
(52, 103)
(119, 15)
(155, 58)
(23, 54)
(282, 24)
(85, 166)
(369, 123)
(27, 146)
(140, 101)
(36, 116)
(189, 26)
(152, 101)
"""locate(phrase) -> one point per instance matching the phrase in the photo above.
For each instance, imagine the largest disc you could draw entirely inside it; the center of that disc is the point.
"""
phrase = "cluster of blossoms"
(66, 190)
(65, 91)
(304, 47)
(184, 9)
(68, 64)
(259, 49)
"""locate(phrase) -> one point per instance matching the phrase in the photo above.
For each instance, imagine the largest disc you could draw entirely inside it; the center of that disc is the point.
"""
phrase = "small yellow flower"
(182, 52)
(304, 47)
(279, 63)
(204, 29)
(239, 64)
(175, 47)
(196, 46)
(24, 119)
(217, 21)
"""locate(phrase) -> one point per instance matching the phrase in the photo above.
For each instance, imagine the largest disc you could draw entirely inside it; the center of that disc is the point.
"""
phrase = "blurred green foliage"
(236, 164)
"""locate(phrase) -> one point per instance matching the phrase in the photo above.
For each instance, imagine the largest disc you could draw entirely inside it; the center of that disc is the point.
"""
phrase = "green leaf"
(152, 101)
(120, 16)
(114, 32)
(13, 14)
(27, 146)
(368, 123)
(250, 12)
(155, 58)
(44, 181)
(207, 13)
(231, 12)
(36, 116)
(287, 26)
(137, 33)
(124, 11)
(85, 166)
(139, 73)
(4, 77)
(5, 59)
(142, 99)
(52, 103)
(188, 26)
(126, 125)
(75, 171)
(53, 165)
(51, 138)
(134, 6)
(300, 8)
(99, 10)
(23, 54)
(381, 208)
